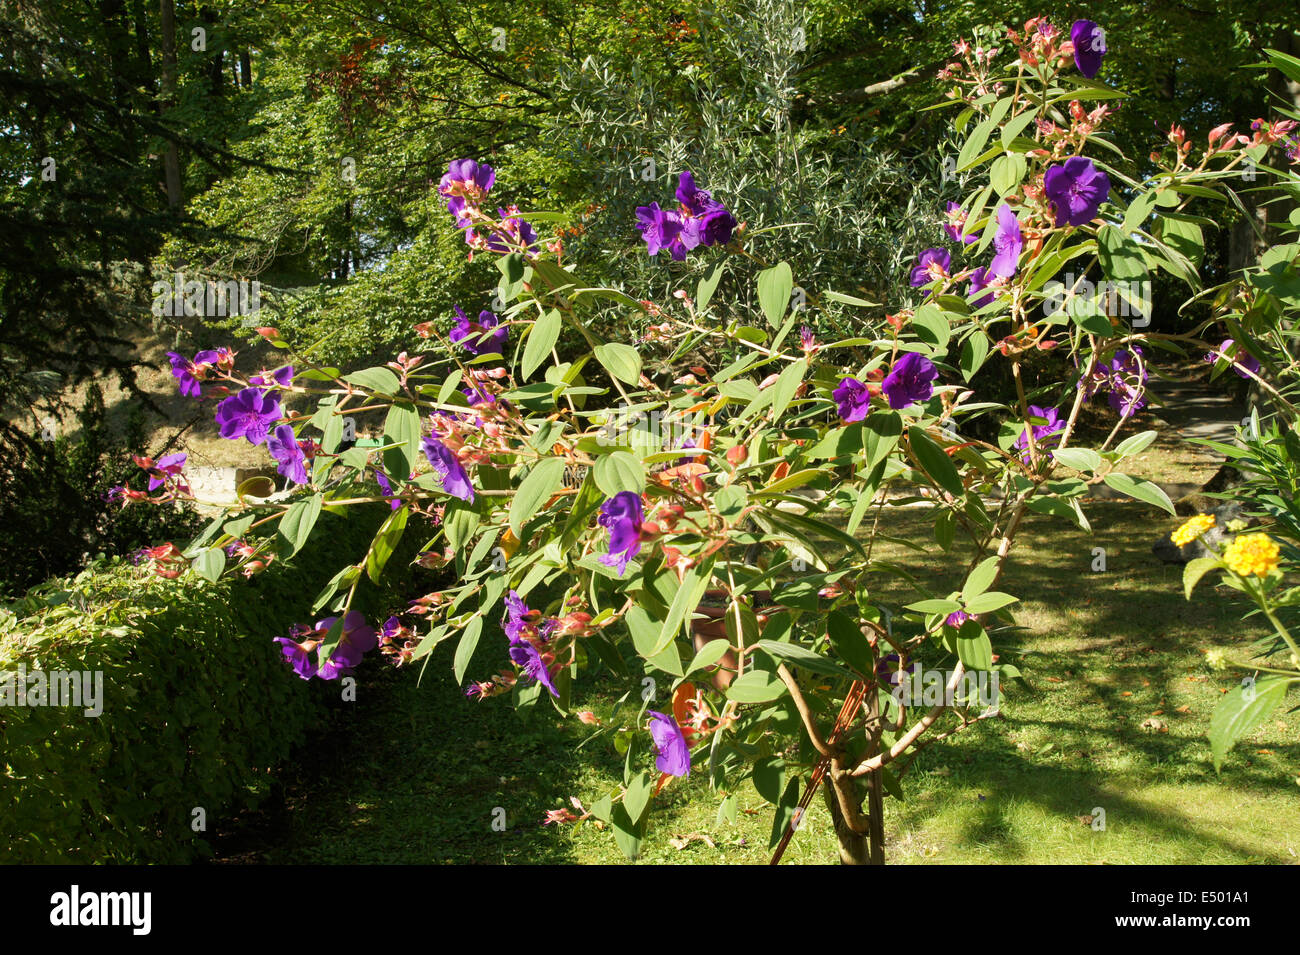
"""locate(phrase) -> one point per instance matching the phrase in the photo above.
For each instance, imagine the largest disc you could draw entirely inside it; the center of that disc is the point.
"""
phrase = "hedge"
(198, 704)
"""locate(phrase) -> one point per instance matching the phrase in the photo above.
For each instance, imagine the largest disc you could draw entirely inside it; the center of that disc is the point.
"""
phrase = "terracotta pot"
(711, 624)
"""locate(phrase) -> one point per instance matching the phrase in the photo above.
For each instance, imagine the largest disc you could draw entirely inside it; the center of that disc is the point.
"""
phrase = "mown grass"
(414, 773)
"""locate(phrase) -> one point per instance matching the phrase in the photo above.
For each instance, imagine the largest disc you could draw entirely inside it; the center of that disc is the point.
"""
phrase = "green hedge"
(198, 704)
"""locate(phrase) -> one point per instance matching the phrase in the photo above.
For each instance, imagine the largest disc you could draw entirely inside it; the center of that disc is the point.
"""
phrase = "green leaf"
(401, 429)
(1007, 172)
(296, 525)
(1140, 490)
(934, 605)
(637, 797)
(380, 380)
(981, 578)
(971, 149)
(774, 288)
(546, 477)
(786, 384)
(343, 578)
(627, 834)
(385, 542)
(1183, 237)
(803, 658)
(769, 777)
(1016, 125)
(1081, 459)
(1135, 444)
(512, 275)
(708, 655)
(1138, 211)
(688, 596)
(708, 285)
(989, 601)
(621, 361)
(466, 646)
(837, 443)
(785, 811)
(1243, 709)
(1121, 257)
(210, 564)
(973, 647)
(797, 479)
(932, 327)
(1194, 570)
(756, 686)
(848, 640)
(936, 463)
(619, 471)
(541, 339)
(880, 432)
(849, 300)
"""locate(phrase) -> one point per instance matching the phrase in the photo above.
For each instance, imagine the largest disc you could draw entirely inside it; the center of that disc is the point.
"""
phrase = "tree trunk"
(858, 848)
(854, 847)
(172, 159)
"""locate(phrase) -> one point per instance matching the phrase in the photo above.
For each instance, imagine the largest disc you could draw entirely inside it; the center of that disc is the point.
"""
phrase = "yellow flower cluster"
(1251, 554)
(1193, 528)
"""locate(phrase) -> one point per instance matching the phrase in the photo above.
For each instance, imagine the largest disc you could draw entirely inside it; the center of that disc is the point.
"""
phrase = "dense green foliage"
(54, 500)
(196, 705)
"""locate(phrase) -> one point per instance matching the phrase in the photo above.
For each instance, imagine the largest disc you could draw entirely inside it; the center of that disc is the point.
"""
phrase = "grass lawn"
(413, 774)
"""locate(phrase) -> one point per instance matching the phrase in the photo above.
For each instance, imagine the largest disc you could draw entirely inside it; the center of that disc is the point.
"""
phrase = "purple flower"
(527, 656)
(464, 185)
(455, 480)
(467, 177)
(694, 199)
(283, 445)
(390, 630)
(169, 465)
(1077, 189)
(714, 227)
(956, 222)
(1125, 385)
(281, 378)
(932, 264)
(674, 755)
(910, 381)
(517, 617)
(298, 657)
(957, 618)
(1042, 433)
(704, 220)
(473, 337)
(189, 374)
(382, 480)
(890, 669)
(660, 229)
(1242, 362)
(1008, 242)
(248, 414)
(852, 400)
(357, 640)
(520, 233)
(1089, 46)
(622, 514)
(979, 281)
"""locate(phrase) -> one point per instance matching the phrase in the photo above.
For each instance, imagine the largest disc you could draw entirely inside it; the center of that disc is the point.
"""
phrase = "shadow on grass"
(415, 775)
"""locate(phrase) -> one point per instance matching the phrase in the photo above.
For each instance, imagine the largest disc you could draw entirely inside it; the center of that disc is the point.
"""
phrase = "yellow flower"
(1193, 528)
(1251, 554)
(1215, 661)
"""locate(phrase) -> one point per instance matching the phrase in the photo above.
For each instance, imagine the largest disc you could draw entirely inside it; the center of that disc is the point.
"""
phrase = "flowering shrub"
(481, 432)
